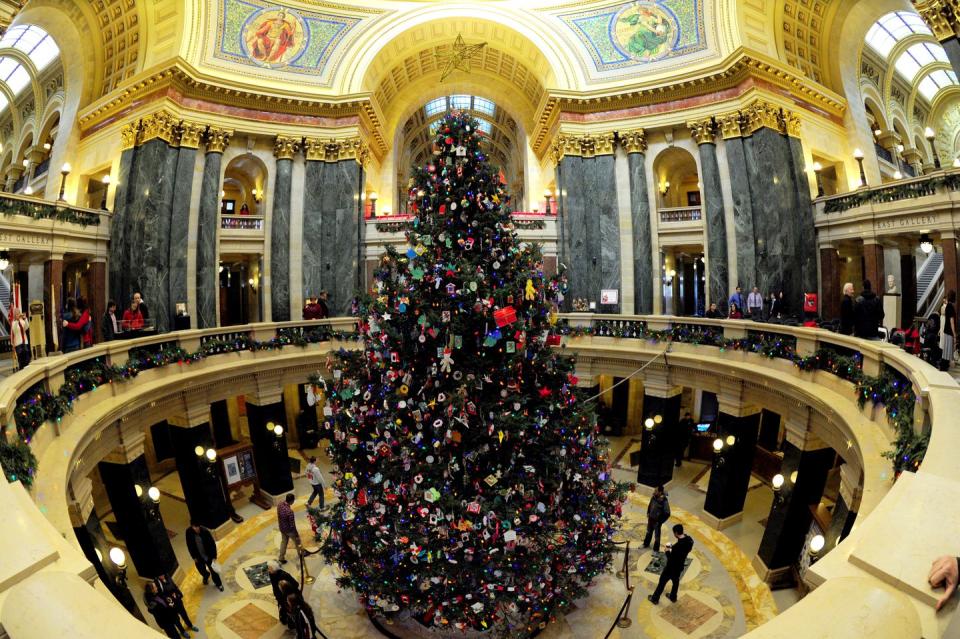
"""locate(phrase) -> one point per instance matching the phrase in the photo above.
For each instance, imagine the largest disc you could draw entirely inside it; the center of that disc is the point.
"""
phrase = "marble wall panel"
(640, 210)
(607, 214)
(714, 219)
(341, 228)
(312, 241)
(118, 256)
(207, 256)
(807, 238)
(180, 226)
(744, 236)
(280, 243)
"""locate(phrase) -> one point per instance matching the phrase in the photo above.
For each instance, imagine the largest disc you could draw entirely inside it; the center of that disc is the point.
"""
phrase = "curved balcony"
(878, 573)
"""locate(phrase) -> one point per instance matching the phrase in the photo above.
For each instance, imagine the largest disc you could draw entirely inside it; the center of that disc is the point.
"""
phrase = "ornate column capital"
(218, 139)
(594, 145)
(791, 124)
(190, 134)
(353, 149)
(160, 125)
(703, 131)
(314, 149)
(941, 16)
(634, 141)
(128, 135)
(284, 148)
(731, 125)
(763, 115)
(565, 145)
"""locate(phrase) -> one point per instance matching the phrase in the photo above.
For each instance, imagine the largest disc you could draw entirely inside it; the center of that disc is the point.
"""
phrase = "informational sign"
(609, 296)
(239, 467)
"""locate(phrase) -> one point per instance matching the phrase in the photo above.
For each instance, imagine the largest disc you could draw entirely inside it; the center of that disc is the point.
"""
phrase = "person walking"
(867, 313)
(658, 512)
(683, 437)
(283, 584)
(846, 310)
(163, 611)
(304, 621)
(288, 527)
(315, 477)
(676, 557)
(755, 304)
(167, 589)
(203, 549)
(948, 334)
(20, 340)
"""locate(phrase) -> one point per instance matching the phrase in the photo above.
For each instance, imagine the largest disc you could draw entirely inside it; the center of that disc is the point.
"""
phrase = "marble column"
(731, 467)
(704, 133)
(829, 282)
(284, 149)
(52, 294)
(139, 520)
(190, 135)
(873, 265)
(845, 511)
(576, 249)
(635, 144)
(658, 445)
(202, 487)
(908, 288)
(97, 299)
(744, 234)
(119, 259)
(92, 541)
(332, 219)
(270, 451)
(806, 462)
(948, 245)
(207, 229)
(806, 237)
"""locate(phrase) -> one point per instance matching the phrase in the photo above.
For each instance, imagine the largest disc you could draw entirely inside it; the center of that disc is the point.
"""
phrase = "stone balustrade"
(681, 215)
(878, 572)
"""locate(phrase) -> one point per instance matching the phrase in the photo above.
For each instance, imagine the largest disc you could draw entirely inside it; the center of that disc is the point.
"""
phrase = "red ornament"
(553, 340)
(504, 316)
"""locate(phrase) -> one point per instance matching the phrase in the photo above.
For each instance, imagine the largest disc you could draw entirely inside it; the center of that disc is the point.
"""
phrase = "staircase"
(930, 285)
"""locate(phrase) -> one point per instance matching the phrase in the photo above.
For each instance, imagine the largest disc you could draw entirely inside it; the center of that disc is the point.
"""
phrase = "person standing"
(683, 437)
(282, 581)
(21, 343)
(867, 313)
(141, 305)
(676, 557)
(304, 621)
(323, 311)
(203, 550)
(948, 336)
(132, 317)
(315, 477)
(163, 611)
(74, 322)
(735, 311)
(658, 512)
(755, 304)
(736, 298)
(166, 588)
(846, 310)
(109, 325)
(288, 527)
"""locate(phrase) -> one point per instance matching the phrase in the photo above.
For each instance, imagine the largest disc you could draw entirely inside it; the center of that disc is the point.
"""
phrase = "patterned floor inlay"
(250, 622)
(688, 614)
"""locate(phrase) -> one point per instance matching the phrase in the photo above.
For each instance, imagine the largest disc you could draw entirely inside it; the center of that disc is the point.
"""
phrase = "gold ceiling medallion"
(459, 58)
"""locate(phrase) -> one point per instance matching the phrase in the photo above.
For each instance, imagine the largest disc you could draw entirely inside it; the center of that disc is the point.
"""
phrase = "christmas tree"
(475, 491)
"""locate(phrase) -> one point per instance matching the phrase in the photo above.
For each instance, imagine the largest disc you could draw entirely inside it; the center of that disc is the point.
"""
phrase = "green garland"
(895, 193)
(18, 462)
(42, 211)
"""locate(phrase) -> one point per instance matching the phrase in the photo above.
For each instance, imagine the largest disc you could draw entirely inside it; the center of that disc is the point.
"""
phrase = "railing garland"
(37, 407)
(894, 193)
(43, 211)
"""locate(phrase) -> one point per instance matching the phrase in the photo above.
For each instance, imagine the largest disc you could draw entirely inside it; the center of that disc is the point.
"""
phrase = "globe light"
(199, 451)
(118, 557)
(777, 481)
(817, 543)
(717, 445)
(731, 440)
(270, 425)
(278, 430)
(925, 244)
(793, 477)
(857, 154)
(648, 423)
(897, 175)
(211, 454)
(154, 494)
(657, 419)
(138, 489)
(956, 163)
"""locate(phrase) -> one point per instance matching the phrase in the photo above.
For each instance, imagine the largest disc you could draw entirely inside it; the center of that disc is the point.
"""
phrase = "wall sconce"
(925, 244)
(858, 156)
(816, 545)
(373, 203)
(717, 450)
(731, 440)
(777, 492)
(931, 137)
(665, 188)
(46, 146)
(154, 494)
(119, 559)
(253, 283)
(257, 195)
(28, 190)
(817, 170)
(64, 172)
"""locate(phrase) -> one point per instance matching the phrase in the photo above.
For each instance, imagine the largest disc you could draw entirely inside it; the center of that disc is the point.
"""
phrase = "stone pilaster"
(730, 472)
(208, 227)
(731, 127)
(658, 445)
(635, 144)
(284, 149)
(845, 511)
(704, 133)
(270, 451)
(190, 134)
(829, 282)
(200, 479)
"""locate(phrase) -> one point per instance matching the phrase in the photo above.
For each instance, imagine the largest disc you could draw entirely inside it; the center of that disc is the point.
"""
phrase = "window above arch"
(894, 27)
(919, 55)
(33, 41)
(931, 84)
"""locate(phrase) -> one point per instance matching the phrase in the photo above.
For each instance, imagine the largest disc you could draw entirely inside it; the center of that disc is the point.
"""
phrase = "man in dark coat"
(846, 310)
(166, 588)
(277, 576)
(867, 313)
(163, 611)
(676, 557)
(658, 512)
(683, 436)
(203, 549)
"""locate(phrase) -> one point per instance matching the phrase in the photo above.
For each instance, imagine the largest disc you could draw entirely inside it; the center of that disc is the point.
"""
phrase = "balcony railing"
(242, 222)
(44, 210)
(909, 189)
(682, 214)
(883, 153)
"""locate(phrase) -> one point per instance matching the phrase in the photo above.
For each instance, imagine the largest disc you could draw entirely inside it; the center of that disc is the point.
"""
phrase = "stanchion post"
(625, 621)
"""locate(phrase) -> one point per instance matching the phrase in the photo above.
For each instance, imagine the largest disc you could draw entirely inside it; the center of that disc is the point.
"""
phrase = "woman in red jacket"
(132, 317)
(76, 318)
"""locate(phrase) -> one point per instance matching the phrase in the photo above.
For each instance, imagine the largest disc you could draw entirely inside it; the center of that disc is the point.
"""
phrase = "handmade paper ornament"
(461, 151)
(504, 316)
(431, 495)
(530, 291)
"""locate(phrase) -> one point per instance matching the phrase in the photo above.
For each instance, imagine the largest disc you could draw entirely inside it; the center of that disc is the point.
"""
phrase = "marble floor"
(720, 594)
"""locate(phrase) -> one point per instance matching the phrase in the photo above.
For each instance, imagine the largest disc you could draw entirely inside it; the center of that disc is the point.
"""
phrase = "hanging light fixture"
(925, 244)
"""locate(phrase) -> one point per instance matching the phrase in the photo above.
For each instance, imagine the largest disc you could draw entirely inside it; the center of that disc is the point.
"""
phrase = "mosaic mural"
(634, 33)
(277, 37)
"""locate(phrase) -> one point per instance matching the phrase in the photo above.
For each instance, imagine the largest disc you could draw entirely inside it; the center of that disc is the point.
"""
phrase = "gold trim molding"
(942, 16)
(128, 135)
(731, 125)
(587, 145)
(335, 150)
(763, 115)
(160, 125)
(756, 116)
(284, 148)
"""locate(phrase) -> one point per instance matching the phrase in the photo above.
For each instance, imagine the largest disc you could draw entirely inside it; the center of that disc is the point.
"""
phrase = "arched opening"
(243, 182)
(241, 214)
(680, 222)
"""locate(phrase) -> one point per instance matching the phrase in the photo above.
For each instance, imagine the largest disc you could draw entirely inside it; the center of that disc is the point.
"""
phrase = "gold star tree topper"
(459, 58)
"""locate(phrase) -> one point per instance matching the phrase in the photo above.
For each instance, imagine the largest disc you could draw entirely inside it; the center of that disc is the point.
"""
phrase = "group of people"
(316, 307)
(658, 512)
(755, 306)
(862, 315)
(134, 318)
